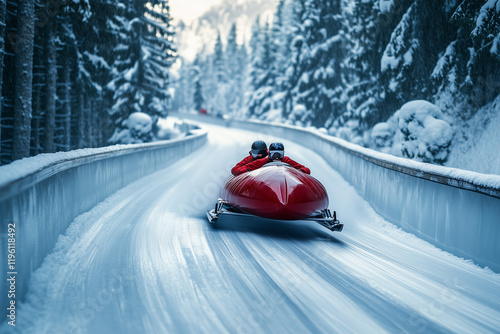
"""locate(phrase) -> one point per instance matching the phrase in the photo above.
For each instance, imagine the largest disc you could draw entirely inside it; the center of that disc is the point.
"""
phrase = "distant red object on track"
(276, 191)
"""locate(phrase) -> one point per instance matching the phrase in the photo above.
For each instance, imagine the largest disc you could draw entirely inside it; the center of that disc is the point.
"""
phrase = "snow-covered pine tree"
(410, 56)
(241, 80)
(363, 64)
(233, 70)
(181, 100)
(295, 40)
(319, 86)
(209, 80)
(262, 64)
(196, 75)
(219, 60)
(94, 32)
(159, 54)
(198, 94)
(279, 47)
(474, 55)
(144, 53)
(218, 102)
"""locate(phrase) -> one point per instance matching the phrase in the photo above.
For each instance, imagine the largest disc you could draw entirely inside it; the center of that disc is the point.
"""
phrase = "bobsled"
(276, 191)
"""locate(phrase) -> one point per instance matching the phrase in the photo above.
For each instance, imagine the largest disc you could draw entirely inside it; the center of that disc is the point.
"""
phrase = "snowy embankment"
(456, 210)
(42, 195)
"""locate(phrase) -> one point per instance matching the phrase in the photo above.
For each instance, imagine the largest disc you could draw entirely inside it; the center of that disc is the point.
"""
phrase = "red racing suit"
(239, 168)
(257, 163)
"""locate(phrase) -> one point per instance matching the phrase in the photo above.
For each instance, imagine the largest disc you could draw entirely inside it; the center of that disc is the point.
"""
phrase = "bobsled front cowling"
(276, 191)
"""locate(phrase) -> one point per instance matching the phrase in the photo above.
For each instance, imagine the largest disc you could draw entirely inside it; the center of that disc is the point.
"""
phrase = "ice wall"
(42, 195)
(456, 210)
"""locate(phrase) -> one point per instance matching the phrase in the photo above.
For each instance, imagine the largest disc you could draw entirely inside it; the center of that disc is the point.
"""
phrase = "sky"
(187, 10)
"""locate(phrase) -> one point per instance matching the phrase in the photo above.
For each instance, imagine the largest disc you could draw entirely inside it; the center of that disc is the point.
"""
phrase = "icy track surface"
(147, 261)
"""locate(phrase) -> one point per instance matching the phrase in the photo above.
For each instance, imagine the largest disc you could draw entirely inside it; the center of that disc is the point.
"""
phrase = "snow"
(131, 72)
(395, 53)
(426, 136)
(386, 6)
(416, 131)
(444, 59)
(473, 148)
(488, 7)
(389, 61)
(146, 260)
(140, 122)
(137, 129)
(382, 134)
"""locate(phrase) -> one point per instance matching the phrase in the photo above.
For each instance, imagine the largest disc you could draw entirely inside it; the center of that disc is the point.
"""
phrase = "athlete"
(257, 151)
(276, 153)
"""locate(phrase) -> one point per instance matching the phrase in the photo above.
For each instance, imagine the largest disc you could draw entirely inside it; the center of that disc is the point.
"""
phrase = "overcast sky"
(186, 10)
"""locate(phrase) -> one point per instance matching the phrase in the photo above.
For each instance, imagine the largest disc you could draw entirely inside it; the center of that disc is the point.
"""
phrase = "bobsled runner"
(276, 191)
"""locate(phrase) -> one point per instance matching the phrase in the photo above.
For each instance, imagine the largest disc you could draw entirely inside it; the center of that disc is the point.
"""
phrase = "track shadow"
(278, 229)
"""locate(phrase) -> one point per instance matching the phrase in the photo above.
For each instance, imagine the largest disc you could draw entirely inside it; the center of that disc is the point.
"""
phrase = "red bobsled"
(276, 191)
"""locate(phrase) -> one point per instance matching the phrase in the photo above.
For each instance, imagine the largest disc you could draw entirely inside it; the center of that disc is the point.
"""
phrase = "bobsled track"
(147, 261)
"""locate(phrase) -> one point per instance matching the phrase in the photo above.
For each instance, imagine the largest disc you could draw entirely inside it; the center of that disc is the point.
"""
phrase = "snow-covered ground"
(146, 260)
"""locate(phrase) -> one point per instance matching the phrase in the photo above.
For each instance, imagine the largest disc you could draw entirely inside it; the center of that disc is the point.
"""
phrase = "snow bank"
(43, 194)
(416, 131)
(426, 136)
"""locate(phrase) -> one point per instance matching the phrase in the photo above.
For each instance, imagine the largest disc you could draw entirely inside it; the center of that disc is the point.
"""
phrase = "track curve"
(146, 260)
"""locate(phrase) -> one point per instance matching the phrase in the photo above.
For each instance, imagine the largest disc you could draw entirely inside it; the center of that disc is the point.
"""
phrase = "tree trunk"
(24, 79)
(67, 108)
(81, 139)
(51, 89)
(37, 115)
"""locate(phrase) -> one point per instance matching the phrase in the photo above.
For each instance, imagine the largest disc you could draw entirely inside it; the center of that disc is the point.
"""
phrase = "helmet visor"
(258, 153)
(276, 154)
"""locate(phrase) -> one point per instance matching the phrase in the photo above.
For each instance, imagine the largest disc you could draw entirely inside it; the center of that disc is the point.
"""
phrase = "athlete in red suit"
(258, 151)
(276, 153)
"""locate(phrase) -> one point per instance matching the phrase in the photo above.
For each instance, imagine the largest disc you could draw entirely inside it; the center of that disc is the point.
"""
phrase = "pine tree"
(262, 81)
(196, 74)
(479, 32)
(413, 50)
(198, 94)
(241, 80)
(219, 103)
(159, 55)
(295, 38)
(146, 52)
(320, 51)
(233, 71)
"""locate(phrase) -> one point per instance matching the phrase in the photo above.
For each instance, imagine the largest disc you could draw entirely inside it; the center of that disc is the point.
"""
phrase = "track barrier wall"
(459, 213)
(44, 202)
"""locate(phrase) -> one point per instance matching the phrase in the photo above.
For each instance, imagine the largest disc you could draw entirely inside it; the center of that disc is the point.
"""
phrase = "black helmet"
(276, 151)
(259, 149)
